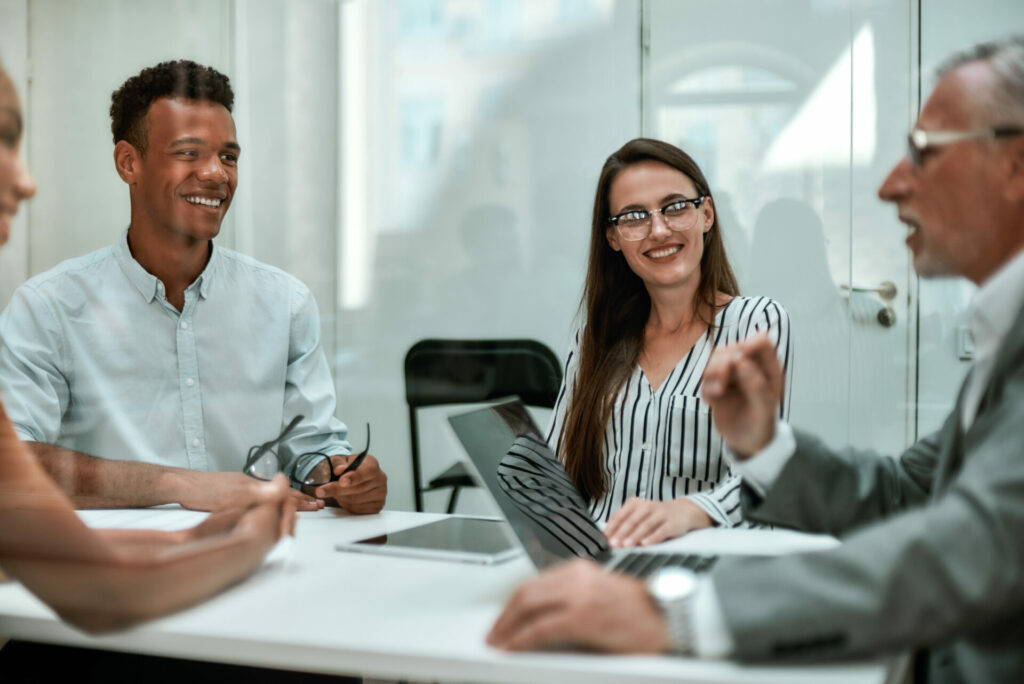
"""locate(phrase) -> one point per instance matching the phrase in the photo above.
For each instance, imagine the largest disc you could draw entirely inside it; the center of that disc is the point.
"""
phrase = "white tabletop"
(378, 616)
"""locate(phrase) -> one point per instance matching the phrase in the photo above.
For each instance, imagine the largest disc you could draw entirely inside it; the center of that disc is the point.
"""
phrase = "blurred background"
(427, 167)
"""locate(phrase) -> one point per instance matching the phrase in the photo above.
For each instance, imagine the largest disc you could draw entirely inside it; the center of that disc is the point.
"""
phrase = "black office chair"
(439, 372)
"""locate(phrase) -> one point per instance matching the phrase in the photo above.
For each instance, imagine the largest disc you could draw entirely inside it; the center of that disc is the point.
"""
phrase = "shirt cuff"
(711, 637)
(762, 469)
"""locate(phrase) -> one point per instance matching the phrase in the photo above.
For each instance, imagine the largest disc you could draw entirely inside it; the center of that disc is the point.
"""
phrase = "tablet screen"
(473, 539)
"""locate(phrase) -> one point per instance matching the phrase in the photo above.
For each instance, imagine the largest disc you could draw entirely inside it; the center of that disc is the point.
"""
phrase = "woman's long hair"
(617, 308)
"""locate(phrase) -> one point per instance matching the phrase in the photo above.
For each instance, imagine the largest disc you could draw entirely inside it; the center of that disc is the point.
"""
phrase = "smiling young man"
(143, 373)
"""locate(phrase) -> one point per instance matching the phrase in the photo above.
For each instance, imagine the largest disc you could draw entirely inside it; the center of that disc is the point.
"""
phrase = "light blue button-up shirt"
(94, 358)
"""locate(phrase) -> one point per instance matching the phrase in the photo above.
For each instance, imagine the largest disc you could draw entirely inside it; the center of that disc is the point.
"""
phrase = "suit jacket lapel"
(1006, 360)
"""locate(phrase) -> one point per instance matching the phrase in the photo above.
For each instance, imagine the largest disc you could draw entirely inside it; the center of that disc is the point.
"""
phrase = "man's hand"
(582, 604)
(202, 491)
(642, 522)
(743, 385)
(364, 490)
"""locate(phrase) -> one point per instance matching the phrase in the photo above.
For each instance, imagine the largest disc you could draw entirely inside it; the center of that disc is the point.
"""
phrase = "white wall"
(428, 167)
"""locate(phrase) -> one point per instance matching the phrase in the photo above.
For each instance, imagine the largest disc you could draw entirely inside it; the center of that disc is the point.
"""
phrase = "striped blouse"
(662, 444)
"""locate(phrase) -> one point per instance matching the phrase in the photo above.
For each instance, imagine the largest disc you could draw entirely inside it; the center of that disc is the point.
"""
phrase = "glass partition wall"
(427, 168)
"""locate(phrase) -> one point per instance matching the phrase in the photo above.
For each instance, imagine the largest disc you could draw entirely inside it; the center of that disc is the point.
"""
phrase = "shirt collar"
(996, 305)
(144, 281)
(148, 285)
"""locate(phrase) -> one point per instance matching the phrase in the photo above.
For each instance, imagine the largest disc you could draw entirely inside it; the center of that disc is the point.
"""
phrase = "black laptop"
(544, 508)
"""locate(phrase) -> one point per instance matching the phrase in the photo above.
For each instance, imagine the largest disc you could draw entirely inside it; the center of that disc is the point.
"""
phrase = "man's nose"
(897, 184)
(214, 170)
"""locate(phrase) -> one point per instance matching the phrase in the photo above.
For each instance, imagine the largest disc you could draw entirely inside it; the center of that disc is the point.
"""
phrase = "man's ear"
(1015, 166)
(126, 160)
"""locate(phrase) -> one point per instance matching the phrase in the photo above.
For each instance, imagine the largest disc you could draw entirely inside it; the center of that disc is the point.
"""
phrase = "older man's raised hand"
(743, 384)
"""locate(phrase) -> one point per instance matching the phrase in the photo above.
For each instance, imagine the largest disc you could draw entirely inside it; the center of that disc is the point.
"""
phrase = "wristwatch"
(673, 589)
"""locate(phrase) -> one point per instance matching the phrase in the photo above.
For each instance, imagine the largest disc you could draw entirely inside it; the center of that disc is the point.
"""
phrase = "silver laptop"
(544, 508)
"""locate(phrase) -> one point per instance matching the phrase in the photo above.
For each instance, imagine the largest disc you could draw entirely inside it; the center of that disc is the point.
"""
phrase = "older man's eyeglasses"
(919, 142)
(680, 215)
(264, 461)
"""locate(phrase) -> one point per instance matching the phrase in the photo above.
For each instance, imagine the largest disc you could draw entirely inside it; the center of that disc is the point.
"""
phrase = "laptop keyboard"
(644, 564)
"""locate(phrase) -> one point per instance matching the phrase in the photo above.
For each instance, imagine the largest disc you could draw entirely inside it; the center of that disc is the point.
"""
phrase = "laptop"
(544, 509)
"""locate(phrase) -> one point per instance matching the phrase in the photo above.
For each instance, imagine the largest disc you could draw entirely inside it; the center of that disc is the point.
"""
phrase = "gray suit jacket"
(932, 553)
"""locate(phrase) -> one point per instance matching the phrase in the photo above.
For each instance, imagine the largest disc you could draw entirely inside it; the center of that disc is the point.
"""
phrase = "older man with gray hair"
(932, 553)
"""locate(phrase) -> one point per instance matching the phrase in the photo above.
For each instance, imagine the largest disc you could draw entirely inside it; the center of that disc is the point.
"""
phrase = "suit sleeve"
(932, 572)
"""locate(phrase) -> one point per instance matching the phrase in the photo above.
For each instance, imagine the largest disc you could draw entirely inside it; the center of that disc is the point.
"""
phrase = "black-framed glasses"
(264, 461)
(919, 141)
(635, 225)
(322, 471)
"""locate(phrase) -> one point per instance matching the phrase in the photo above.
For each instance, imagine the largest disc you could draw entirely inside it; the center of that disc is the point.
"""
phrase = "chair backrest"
(467, 371)
(441, 372)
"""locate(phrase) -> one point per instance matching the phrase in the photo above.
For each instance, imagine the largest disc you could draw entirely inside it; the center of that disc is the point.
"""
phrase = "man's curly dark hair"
(182, 78)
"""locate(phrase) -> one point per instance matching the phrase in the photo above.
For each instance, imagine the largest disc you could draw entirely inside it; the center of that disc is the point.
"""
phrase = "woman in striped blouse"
(629, 424)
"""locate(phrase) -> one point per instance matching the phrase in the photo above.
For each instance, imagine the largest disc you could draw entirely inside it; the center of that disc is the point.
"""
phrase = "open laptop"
(543, 506)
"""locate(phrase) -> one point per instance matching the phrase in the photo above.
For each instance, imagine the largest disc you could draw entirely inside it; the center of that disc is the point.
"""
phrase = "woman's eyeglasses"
(635, 225)
(263, 461)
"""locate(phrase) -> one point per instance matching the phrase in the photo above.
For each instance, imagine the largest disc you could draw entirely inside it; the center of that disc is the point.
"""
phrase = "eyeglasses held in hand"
(322, 471)
(263, 461)
(679, 215)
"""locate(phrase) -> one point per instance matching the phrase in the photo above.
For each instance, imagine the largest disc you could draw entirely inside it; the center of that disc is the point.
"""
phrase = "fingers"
(622, 525)
(304, 502)
(288, 518)
(367, 472)
(367, 502)
(546, 629)
(530, 604)
(722, 369)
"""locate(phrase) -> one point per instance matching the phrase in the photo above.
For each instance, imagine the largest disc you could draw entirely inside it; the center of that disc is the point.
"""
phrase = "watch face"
(672, 583)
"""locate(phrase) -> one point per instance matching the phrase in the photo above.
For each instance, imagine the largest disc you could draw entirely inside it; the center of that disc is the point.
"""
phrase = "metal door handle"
(886, 290)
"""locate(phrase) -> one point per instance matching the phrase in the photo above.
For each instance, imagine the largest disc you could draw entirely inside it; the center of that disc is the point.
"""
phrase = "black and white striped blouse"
(662, 444)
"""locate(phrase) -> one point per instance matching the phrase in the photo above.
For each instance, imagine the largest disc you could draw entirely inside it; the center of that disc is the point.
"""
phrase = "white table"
(378, 616)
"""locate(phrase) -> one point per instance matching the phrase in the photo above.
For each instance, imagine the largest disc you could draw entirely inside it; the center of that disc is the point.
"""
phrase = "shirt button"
(190, 382)
(184, 325)
(645, 446)
(195, 441)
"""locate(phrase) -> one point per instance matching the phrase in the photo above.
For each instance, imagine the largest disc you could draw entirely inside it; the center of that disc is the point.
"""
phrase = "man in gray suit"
(932, 557)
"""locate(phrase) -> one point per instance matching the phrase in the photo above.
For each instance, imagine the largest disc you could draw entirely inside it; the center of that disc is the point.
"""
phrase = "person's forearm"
(92, 482)
(142, 582)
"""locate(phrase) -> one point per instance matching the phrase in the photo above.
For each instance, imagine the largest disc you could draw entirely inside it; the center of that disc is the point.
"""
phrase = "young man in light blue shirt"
(142, 373)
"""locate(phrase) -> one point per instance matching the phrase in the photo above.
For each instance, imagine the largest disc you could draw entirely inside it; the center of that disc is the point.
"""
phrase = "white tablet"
(467, 540)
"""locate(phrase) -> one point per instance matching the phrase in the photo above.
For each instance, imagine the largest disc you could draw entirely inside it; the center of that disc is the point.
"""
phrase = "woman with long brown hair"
(659, 295)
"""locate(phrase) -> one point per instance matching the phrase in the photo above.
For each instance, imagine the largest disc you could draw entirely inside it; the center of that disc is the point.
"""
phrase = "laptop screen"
(529, 484)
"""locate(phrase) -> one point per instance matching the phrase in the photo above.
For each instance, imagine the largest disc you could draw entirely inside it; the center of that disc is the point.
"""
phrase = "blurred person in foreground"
(931, 558)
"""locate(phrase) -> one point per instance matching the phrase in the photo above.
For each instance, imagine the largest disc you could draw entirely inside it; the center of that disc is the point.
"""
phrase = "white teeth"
(205, 201)
(668, 251)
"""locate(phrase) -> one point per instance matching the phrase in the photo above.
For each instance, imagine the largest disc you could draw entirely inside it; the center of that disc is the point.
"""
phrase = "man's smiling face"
(184, 183)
